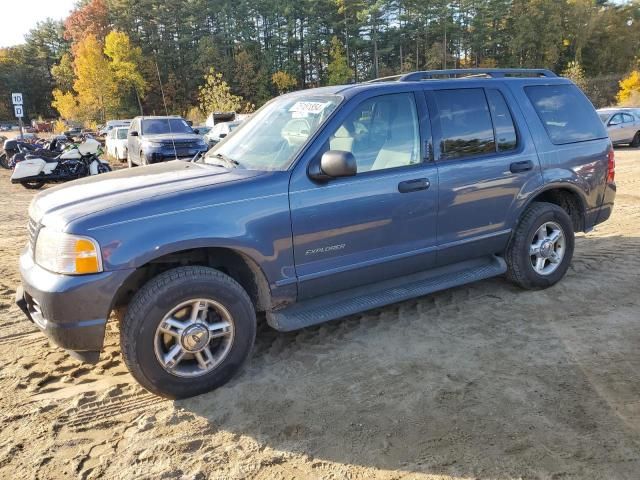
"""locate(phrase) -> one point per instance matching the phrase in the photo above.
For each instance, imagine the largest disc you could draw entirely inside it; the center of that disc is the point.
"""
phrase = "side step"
(359, 299)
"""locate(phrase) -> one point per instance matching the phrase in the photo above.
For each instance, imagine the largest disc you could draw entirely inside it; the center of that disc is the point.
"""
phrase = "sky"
(17, 17)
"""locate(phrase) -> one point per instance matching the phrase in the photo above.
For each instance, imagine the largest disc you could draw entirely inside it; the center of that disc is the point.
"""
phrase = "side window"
(465, 122)
(566, 113)
(616, 119)
(506, 136)
(627, 118)
(382, 132)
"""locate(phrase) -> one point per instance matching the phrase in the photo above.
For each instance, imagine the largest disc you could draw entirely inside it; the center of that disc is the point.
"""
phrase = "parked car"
(116, 143)
(327, 202)
(623, 125)
(73, 132)
(202, 130)
(111, 124)
(220, 131)
(157, 139)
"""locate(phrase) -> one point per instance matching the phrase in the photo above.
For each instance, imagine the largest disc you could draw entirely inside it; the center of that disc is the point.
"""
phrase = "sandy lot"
(483, 381)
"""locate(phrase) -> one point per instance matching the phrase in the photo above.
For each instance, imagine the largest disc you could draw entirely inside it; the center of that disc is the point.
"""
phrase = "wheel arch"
(566, 196)
(238, 265)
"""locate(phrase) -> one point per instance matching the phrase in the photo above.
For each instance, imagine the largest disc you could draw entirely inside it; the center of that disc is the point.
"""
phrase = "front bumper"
(166, 154)
(71, 310)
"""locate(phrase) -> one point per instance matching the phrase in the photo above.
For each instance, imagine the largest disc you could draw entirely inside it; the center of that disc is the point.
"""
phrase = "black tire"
(33, 185)
(104, 168)
(635, 143)
(155, 300)
(4, 161)
(519, 261)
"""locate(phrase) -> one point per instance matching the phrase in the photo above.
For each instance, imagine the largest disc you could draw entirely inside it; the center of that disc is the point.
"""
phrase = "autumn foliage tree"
(283, 81)
(215, 95)
(125, 64)
(629, 94)
(90, 19)
(96, 87)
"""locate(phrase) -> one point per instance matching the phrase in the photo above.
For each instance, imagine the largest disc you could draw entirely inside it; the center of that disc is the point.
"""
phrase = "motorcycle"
(16, 150)
(77, 162)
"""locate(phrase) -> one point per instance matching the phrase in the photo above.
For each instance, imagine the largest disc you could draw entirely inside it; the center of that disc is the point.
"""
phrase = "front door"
(379, 224)
(484, 162)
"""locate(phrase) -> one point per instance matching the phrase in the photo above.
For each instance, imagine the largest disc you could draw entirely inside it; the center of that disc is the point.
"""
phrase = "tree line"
(109, 58)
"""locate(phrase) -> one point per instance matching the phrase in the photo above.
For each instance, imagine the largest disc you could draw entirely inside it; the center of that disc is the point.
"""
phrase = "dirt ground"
(482, 381)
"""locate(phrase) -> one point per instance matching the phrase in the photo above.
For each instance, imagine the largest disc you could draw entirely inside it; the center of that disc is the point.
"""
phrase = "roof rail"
(468, 73)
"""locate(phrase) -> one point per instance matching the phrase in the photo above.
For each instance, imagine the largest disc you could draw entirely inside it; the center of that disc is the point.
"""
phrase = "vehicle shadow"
(485, 380)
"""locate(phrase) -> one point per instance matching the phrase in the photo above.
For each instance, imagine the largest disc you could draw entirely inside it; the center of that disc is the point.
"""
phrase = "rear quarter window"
(566, 113)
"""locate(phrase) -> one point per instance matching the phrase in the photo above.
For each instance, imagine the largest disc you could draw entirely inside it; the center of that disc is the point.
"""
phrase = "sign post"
(16, 98)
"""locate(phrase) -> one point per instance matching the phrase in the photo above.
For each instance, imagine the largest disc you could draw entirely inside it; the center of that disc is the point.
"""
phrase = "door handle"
(414, 185)
(517, 167)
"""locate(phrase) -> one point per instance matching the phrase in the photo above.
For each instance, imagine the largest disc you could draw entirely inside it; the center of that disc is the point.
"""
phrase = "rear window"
(566, 113)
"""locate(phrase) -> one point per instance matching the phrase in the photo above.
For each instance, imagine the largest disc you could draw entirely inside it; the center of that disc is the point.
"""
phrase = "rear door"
(615, 128)
(485, 161)
(630, 127)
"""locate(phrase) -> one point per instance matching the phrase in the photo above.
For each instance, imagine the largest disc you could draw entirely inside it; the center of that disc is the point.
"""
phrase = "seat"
(342, 140)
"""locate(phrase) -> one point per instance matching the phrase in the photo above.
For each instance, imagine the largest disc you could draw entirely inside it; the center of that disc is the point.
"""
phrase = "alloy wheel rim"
(547, 248)
(194, 338)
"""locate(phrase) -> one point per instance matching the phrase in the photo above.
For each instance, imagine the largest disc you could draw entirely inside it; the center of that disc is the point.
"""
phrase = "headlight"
(149, 144)
(65, 253)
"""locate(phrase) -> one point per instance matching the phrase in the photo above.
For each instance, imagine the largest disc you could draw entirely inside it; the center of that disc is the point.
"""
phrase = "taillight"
(611, 166)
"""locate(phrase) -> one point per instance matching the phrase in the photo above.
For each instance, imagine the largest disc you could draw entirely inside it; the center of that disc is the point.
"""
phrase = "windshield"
(273, 136)
(604, 117)
(165, 125)
(122, 133)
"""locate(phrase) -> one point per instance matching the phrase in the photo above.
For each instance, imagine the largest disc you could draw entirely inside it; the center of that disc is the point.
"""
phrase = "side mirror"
(222, 135)
(133, 134)
(333, 164)
(196, 131)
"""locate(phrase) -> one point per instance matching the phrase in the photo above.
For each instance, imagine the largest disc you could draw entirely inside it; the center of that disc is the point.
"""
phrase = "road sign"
(19, 112)
(17, 99)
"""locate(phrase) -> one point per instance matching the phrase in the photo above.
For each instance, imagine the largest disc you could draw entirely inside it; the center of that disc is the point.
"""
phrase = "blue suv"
(326, 202)
(158, 139)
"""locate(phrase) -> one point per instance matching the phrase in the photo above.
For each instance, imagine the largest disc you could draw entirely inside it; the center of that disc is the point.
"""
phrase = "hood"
(62, 204)
(173, 137)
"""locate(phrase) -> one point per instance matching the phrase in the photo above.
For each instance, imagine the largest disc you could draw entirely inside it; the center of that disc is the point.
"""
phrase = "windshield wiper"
(226, 161)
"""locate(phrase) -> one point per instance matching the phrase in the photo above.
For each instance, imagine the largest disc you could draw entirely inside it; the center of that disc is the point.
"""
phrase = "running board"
(359, 299)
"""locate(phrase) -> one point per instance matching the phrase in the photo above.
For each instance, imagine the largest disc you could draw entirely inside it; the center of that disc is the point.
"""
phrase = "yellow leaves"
(96, 87)
(629, 93)
(283, 81)
(94, 84)
(66, 104)
(125, 61)
(215, 95)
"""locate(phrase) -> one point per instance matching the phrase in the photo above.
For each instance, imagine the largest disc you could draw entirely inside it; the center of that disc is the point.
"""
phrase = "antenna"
(166, 110)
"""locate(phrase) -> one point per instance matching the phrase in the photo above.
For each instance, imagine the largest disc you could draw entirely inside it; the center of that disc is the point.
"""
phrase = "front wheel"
(4, 160)
(187, 331)
(635, 143)
(33, 185)
(541, 248)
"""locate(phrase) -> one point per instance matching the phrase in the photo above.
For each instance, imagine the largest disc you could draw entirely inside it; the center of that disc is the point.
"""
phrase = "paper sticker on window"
(309, 107)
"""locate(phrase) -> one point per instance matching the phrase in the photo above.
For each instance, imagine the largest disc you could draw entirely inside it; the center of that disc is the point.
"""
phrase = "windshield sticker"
(308, 107)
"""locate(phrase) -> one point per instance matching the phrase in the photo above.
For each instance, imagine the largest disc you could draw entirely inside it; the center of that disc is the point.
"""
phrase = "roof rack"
(467, 73)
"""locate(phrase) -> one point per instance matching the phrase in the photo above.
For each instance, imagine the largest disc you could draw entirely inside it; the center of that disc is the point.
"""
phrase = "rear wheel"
(4, 161)
(187, 331)
(635, 143)
(541, 248)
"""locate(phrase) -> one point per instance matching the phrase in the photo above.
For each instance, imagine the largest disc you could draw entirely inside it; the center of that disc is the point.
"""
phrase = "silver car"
(623, 125)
